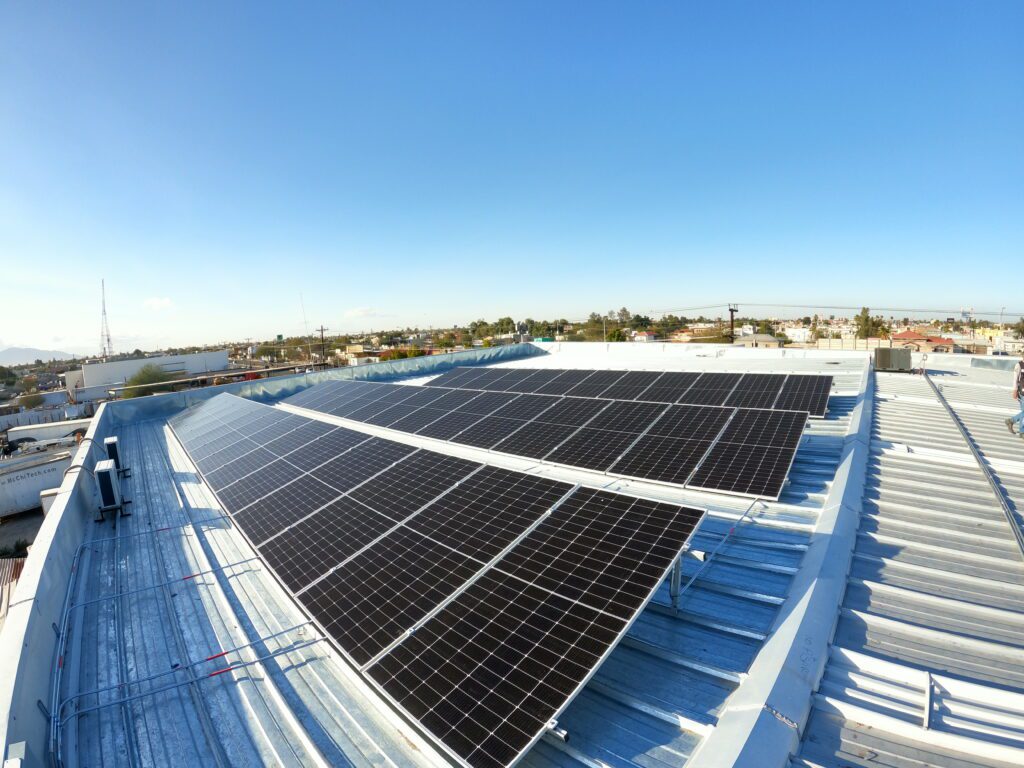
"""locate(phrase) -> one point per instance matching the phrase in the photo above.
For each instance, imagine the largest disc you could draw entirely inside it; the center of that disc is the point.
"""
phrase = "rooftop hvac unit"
(109, 486)
(892, 359)
(113, 449)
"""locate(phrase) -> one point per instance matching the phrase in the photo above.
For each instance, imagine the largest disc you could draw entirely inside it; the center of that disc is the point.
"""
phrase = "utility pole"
(323, 354)
(733, 308)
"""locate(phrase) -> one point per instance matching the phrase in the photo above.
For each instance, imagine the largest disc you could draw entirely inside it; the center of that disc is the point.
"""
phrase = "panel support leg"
(674, 581)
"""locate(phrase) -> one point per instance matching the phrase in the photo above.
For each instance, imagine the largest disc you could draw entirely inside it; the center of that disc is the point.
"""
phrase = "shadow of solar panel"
(488, 511)
(488, 673)
(413, 483)
(325, 448)
(310, 548)
(288, 504)
(371, 600)
(805, 393)
(536, 439)
(756, 390)
(346, 471)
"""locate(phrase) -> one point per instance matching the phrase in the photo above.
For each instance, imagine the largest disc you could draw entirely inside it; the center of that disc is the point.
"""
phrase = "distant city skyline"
(364, 166)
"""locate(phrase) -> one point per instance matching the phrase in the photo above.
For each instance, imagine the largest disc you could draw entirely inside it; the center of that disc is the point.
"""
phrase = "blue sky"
(431, 163)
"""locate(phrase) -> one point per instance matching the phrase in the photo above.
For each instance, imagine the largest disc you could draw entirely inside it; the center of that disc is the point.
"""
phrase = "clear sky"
(431, 163)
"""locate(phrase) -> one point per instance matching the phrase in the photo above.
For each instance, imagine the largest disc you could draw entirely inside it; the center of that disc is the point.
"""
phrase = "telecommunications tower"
(106, 347)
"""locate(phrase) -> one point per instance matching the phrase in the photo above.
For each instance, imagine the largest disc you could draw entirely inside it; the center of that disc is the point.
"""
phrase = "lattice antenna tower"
(106, 346)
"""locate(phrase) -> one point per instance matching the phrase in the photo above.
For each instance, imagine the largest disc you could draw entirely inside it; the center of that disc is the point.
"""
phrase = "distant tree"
(7, 376)
(1018, 328)
(39, 362)
(639, 321)
(807, 319)
(624, 315)
(869, 326)
(616, 334)
(30, 401)
(147, 380)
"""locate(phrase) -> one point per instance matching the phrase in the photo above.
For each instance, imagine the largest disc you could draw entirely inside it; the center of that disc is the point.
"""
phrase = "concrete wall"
(181, 366)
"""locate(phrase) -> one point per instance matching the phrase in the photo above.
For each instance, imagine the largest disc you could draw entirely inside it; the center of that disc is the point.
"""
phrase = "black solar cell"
(536, 439)
(592, 448)
(756, 390)
(325, 448)
(805, 393)
(488, 431)
(346, 471)
(413, 483)
(563, 383)
(669, 386)
(449, 425)
(632, 385)
(376, 596)
(526, 407)
(309, 549)
(288, 504)
(488, 511)
(711, 389)
(239, 494)
(572, 411)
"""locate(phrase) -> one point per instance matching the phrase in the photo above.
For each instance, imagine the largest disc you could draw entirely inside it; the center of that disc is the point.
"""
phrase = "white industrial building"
(116, 372)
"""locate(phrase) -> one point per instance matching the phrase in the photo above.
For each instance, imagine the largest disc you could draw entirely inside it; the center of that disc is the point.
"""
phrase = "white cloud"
(360, 312)
(158, 303)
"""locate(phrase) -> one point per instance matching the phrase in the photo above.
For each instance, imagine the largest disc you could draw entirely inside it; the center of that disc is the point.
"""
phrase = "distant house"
(921, 343)
(645, 336)
(759, 340)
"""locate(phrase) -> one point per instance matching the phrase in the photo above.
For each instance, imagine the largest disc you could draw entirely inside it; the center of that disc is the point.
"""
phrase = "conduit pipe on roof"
(1000, 494)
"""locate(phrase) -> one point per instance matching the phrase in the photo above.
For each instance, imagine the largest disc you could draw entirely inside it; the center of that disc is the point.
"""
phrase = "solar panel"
(572, 411)
(376, 596)
(526, 407)
(753, 455)
(449, 425)
(538, 378)
(488, 672)
(625, 416)
(450, 378)
(711, 389)
(239, 494)
(488, 511)
(691, 422)
(325, 448)
(603, 549)
(563, 383)
(592, 448)
(507, 383)
(536, 439)
(309, 549)
(756, 390)
(631, 386)
(596, 383)
(669, 386)
(288, 504)
(805, 393)
(665, 459)
(299, 437)
(239, 468)
(346, 471)
(489, 431)
(413, 483)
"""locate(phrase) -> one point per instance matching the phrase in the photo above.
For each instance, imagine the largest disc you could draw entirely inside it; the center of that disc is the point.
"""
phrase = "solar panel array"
(650, 440)
(478, 600)
(791, 392)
